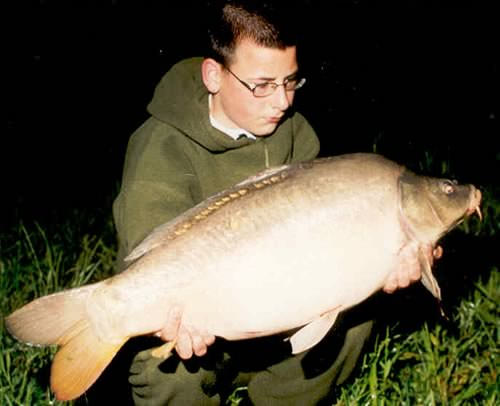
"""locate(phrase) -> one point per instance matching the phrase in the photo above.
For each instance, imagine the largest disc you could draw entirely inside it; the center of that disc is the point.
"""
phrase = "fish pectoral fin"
(80, 361)
(312, 333)
(428, 279)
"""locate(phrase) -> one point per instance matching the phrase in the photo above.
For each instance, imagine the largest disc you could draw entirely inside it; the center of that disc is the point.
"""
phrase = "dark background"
(416, 79)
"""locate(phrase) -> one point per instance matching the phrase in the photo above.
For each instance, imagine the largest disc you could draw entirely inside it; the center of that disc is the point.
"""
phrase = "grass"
(434, 365)
(414, 359)
(33, 264)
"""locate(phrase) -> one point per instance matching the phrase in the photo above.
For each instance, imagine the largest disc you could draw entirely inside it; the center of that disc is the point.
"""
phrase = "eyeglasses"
(268, 88)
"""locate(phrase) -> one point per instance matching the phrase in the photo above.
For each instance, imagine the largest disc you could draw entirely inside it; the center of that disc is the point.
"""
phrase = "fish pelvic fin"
(164, 351)
(46, 321)
(312, 333)
(80, 361)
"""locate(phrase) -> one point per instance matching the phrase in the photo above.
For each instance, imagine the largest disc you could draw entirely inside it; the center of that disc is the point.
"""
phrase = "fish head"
(431, 207)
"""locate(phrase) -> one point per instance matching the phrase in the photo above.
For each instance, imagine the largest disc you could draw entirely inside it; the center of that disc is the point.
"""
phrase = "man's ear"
(211, 72)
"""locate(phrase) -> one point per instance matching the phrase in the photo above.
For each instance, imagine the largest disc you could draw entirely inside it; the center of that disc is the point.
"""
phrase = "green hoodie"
(177, 159)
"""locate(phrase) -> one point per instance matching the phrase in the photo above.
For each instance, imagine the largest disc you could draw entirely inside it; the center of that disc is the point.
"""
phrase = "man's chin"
(265, 131)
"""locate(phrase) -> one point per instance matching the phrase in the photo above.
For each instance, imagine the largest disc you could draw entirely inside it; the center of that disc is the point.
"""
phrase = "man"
(214, 122)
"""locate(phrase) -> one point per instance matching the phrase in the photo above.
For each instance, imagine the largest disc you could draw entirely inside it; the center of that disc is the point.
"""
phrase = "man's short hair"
(268, 23)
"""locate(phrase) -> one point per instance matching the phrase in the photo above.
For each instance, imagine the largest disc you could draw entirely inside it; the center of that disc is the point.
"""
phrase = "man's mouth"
(274, 119)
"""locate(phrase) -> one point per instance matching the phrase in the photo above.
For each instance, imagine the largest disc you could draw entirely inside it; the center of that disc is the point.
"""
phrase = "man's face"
(235, 106)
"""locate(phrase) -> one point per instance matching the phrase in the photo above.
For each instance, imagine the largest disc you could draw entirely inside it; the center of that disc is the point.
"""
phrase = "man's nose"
(282, 98)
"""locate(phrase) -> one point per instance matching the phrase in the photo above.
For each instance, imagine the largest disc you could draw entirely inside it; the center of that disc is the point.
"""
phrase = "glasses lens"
(266, 89)
(295, 84)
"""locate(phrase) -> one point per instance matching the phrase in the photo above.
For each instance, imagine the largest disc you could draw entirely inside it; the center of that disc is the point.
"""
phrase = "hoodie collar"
(181, 100)
(234, 133)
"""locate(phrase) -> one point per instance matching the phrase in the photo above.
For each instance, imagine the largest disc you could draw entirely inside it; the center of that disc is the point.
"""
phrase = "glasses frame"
(253, 86)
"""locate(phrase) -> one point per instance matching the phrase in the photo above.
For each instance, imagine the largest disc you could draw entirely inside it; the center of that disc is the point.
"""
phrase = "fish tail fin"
(80, 361)
(61, 319)
(46, 321)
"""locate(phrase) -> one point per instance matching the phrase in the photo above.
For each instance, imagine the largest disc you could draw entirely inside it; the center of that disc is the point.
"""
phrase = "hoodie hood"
(182, 95)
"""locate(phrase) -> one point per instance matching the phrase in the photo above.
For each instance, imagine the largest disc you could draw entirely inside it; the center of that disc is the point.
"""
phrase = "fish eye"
(448, 186)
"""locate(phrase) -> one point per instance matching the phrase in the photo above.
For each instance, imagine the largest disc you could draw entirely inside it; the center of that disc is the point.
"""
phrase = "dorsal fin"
(181, 224)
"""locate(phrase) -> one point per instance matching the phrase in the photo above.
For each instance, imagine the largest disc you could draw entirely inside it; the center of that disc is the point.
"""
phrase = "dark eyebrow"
(268, 79)
(293, 75)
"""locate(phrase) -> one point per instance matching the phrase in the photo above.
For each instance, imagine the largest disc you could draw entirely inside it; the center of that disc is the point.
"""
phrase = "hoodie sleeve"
(158, 184)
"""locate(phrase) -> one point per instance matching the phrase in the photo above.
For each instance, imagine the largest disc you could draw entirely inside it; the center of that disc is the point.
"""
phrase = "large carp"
(285, 250)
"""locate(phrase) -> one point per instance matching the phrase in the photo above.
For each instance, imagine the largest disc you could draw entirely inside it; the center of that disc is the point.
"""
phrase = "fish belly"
(289, 283)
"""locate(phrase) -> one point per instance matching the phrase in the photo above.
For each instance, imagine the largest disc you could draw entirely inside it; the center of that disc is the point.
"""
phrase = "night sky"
(77, 82)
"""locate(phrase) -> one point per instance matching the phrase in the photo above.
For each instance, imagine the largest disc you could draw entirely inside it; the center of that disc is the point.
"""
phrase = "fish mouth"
(473, 208)
(474, 204)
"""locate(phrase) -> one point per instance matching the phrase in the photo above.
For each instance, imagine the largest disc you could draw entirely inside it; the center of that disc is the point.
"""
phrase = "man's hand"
(189, 340)
(409, 270)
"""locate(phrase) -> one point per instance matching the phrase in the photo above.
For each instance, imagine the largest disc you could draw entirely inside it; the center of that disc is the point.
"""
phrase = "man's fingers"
(410, 270)
(415, 273)
(184, 345)
(438, 252)
(389, 288)
(391, 284)
(199, 346)
(403, 277)
(208, 338)
(403, 280)
(171, 328)
(189, 340)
